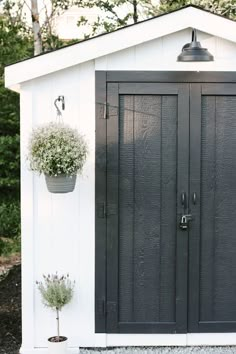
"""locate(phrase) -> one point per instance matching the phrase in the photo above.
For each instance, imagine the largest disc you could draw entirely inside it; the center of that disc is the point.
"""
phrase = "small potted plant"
(59, 152)
(56, 292)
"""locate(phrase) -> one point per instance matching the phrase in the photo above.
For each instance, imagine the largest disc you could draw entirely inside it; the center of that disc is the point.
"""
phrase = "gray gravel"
(161, 350)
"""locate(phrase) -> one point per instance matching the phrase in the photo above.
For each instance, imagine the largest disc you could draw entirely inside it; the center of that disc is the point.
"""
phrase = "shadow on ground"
(10, 312)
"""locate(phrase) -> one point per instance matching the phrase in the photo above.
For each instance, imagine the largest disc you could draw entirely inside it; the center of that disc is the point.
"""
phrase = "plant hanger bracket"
(59, 99)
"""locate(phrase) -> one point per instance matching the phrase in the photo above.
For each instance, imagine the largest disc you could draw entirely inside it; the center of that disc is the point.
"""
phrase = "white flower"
(56, 148)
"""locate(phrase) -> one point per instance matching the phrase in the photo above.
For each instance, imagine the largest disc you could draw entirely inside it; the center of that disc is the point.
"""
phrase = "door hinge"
(101, 307)
(105, 116)
(111, 307)
(104, 209)
(101, 210)
(104, 307)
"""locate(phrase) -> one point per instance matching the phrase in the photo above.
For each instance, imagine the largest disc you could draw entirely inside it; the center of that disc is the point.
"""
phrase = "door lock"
(184, 221)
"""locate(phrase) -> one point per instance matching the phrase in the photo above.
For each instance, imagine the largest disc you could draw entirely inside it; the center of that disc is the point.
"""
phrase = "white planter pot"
(57, 347)
(61, 183)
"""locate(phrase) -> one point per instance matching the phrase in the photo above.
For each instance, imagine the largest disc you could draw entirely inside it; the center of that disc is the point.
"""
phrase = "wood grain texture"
(147, 208)
(218, 205)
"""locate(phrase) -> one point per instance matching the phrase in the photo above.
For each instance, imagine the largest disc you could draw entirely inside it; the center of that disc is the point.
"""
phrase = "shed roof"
(187, 17)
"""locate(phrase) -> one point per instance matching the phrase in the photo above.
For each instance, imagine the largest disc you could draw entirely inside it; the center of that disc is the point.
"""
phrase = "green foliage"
(15, 44)
(9, 246)
(119, 13)
(225, 8)
(9, 219)
(56, 291)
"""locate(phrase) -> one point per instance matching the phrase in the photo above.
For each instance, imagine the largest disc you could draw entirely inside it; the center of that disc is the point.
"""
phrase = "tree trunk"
(58, 328)
(36, 27)
(135, 13)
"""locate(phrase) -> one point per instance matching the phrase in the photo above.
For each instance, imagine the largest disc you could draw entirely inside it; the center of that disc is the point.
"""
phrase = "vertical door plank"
(168, 208)
(112, 204)
(147, 228)
(126, 207)
(194, 208)
(100, 196)
(207, 202)
(182, 186)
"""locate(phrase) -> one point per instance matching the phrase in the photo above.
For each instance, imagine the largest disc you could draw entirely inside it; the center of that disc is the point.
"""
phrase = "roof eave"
(113, 42)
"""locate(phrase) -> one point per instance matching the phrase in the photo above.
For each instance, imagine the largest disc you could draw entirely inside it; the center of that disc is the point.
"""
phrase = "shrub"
(10, 219)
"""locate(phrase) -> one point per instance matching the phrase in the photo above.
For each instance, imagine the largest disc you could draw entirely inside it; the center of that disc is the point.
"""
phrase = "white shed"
(162, 144)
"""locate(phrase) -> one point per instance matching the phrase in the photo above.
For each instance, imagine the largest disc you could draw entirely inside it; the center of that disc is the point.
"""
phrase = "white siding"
(161, 54)
(58, 231)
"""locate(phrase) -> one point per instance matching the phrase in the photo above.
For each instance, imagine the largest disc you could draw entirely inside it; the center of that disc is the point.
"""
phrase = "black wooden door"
(170, 149)
(147, 169)
(212, 236)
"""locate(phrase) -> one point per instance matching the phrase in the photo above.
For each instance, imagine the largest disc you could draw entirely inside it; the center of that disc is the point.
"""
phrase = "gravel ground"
(163, 350)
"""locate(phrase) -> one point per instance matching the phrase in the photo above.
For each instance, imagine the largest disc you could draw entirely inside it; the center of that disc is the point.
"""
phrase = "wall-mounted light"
(194, 52)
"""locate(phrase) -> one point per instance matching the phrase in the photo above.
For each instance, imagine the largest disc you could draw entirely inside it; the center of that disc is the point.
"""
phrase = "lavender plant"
(55, 149)
(56, 291)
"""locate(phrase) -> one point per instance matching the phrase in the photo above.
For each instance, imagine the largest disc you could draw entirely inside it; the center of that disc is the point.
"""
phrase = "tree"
(225, 8)
(117, 13)
(16, 44)
(38, 46)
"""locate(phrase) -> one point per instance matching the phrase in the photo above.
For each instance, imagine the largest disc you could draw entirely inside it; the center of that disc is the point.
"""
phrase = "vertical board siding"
(147, 172)
(218, 205)
(126, 215)
(168, 210)
(147, 208)
(62, 242)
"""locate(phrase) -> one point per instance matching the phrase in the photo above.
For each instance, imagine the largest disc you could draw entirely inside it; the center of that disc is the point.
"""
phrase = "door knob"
(184, 221)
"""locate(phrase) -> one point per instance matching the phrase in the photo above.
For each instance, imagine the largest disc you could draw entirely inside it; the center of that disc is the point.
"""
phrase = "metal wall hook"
(60, 99)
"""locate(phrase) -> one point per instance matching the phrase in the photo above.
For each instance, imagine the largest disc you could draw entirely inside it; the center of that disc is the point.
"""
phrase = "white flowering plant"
(56, 291)
(57, 149)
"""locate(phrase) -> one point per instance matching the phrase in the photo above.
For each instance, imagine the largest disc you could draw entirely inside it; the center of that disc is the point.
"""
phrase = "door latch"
(184, 221)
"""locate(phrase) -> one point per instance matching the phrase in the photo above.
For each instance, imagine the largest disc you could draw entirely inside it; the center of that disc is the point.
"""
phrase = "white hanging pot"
(60, 183)
(55, 347)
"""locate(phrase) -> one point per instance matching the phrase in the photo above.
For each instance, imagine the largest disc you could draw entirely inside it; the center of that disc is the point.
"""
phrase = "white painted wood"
(161, 54)
(120, 40)
(142, 340)
(58, 231)
(27, 221)
(211, 339)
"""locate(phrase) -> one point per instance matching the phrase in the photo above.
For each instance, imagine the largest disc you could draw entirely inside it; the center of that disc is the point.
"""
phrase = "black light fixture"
(194, 52)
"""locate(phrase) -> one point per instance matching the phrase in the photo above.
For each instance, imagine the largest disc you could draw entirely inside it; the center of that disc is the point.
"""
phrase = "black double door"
(171, 152)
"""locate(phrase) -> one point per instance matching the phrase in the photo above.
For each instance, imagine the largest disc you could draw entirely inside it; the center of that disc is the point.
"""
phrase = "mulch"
(10, 311)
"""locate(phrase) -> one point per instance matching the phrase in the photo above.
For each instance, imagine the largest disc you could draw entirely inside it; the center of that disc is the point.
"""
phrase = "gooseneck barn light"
(194, 52)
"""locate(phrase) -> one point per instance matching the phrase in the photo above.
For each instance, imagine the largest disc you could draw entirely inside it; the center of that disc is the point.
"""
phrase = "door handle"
(184, 200)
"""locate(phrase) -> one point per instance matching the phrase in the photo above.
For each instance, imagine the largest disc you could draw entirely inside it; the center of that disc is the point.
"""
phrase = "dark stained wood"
(194, 208)
(168, 218)
(126, 204)
(147, 207)
(112, 199)
(100, 199)
(142, 246)
(217, 284)
(182, 186)
(164, 139)
(171, 76)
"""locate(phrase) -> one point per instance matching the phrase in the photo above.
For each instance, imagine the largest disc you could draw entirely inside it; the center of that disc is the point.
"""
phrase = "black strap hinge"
(104, 209)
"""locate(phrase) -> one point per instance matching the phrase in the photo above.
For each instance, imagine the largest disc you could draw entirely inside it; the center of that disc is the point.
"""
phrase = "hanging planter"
(59, 152)
(60, 183)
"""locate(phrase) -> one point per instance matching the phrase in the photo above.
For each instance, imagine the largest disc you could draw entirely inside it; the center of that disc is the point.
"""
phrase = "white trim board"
(189, 339)
(155, 340)
(189, 17)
